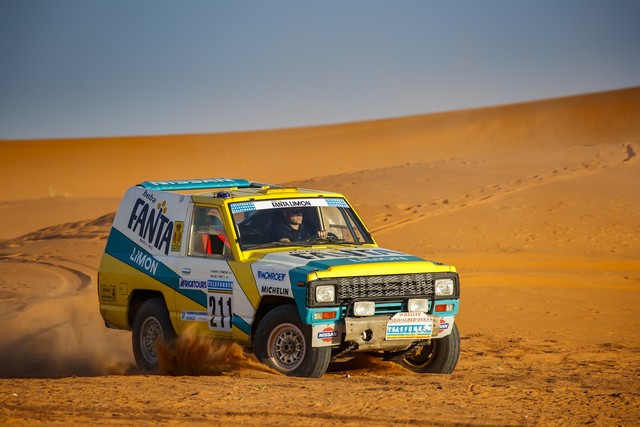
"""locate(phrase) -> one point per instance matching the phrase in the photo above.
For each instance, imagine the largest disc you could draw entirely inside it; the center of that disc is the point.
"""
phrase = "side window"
(208, 236)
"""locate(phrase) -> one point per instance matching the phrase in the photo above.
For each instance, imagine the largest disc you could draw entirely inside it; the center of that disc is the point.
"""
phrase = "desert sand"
(537, 204)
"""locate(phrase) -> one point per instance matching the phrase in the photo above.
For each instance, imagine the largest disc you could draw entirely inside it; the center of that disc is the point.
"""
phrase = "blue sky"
(80, 68)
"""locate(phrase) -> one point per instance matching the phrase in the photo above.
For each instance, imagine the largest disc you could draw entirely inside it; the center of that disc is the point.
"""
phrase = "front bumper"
(371, 333)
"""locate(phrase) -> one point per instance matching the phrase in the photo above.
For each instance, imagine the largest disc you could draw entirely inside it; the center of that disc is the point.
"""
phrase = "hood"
(351, 262)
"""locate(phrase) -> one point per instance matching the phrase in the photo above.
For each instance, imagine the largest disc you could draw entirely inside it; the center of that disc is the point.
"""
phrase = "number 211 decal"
(220, 314)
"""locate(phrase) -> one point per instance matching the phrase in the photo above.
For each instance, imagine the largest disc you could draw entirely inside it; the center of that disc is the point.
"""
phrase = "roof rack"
(197, 184)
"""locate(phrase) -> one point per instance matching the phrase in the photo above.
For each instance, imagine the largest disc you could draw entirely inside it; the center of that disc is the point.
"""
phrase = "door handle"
(186, 270)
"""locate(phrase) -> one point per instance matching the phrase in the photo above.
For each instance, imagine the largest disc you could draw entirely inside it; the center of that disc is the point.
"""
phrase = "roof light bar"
(196, 184)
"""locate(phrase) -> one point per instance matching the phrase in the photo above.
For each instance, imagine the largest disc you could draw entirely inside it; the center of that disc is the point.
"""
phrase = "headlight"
(364, 308)
(418, 305)
(444, 286)
(325, 293)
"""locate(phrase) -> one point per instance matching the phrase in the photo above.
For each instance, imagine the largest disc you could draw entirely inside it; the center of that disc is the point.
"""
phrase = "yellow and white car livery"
(205, 256)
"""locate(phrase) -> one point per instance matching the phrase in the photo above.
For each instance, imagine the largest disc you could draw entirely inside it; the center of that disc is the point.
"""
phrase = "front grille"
(391, 286)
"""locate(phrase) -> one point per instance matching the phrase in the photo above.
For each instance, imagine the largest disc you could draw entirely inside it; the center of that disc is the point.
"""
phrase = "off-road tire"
(440, 357)
(283, 343)
(151, 326)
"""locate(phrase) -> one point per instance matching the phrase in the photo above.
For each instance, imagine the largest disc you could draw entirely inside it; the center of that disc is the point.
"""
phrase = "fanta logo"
(327, 334)
(443, 325)
(268, 275)
(151, 224)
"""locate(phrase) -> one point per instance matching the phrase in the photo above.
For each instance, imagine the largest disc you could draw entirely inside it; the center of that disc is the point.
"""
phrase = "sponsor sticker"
(271, 282)
(144, 260)
(108, 293)
(443, 325)
(274, 290)
(271, 275)
(327, 334)
(193, 284)
(411, 325)
(286, 203)
(148, 220)
(176, 240)
(194, 316)
(219, 285)
(411, 317)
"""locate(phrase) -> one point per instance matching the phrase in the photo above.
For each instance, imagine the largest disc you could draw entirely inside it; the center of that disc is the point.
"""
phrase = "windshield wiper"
(327, 240)
(265, 245)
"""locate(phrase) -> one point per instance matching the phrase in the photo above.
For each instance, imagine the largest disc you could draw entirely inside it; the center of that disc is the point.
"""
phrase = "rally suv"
(220, 257)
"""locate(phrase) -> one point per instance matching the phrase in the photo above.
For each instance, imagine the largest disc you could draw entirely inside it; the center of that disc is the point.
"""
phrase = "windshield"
(305, 221)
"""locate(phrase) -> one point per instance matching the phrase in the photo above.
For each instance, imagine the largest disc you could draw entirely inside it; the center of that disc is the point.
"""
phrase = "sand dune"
(536, 204)
(105, 167)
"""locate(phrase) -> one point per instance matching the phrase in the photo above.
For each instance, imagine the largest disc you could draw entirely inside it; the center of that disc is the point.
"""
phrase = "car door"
(206, 277)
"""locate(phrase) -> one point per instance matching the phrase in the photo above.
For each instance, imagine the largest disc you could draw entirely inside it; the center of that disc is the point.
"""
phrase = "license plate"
(412, 325)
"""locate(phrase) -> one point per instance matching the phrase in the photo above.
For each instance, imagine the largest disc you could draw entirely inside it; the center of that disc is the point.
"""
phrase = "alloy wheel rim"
(287, 347)
(151, 332)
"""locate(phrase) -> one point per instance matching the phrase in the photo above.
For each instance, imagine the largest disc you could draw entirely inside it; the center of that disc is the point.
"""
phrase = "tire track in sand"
(72, 278)
(592, 166)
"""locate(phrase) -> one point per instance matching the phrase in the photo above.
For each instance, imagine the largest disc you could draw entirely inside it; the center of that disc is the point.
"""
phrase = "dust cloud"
(192, 354)
(57, 332)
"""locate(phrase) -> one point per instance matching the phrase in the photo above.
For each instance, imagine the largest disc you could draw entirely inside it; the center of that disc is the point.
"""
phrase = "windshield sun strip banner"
(258, 205)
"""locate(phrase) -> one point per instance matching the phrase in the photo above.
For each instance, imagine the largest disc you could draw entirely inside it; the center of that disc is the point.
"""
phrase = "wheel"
(283, 343)
(440, 357)
(150, 327)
